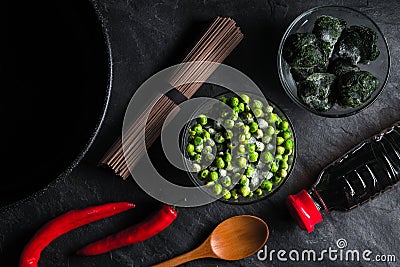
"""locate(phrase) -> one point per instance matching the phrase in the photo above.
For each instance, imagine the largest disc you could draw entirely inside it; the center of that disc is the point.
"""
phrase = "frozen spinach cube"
(358, 44)
(316, 90)
(341, 66)
(294, 43)
(355, 87)
(328, 29)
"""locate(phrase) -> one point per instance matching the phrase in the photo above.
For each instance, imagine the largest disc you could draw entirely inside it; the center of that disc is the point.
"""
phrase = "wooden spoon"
(233, 239)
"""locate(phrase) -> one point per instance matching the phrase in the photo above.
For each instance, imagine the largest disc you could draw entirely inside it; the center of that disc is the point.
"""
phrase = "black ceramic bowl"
(56, 69)
(241, 200)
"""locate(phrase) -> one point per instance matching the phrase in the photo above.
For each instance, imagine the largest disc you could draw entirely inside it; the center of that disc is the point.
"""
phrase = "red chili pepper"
(65, 223)
(151, 226)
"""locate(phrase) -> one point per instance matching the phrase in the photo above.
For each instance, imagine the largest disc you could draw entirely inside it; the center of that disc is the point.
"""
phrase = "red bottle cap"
(303, 210)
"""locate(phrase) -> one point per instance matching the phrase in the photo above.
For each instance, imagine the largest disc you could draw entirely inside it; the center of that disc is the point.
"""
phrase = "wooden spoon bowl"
(234, 239)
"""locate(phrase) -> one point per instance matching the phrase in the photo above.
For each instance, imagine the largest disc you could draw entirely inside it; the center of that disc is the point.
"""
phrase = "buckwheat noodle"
(214, 46)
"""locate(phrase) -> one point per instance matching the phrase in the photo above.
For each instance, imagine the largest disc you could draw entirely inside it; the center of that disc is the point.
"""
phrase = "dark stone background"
(149, 35)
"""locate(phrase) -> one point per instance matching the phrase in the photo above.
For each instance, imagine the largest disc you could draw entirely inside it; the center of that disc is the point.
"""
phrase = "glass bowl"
(241, 200)
(305, 23)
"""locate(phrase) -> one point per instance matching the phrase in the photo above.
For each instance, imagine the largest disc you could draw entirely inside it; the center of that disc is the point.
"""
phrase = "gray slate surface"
(149, 35)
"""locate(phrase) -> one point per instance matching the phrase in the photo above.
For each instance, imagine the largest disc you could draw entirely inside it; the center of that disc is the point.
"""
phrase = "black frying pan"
(55, 70)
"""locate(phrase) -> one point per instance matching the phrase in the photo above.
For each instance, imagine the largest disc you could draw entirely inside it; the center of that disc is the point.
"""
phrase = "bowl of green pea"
(241, 149)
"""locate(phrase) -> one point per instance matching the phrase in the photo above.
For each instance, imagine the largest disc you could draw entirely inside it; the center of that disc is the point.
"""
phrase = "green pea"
(248, 116)
(241, 149)
(198, 148)
(228, 157)
(211, 131)
(219, 162)
(225, 113)
(282, 173)
(276, 179)
(268, 157)
(219, 138)
(258, 113)
(234, 194)
(217, 189)
(206, 135)
(209, 157)
(207, 150)
(242, 162)
(247, 135)
(209, 184)
(223, 99)
(190, 148)
(257, 104)
(288, 151)
(228, 134)
(244, 190)
(234, 116)
(198, 128)
(236, 109)
(268, 109)
(245, 129)
(226, 181)
(229, 145)
(258, 192)
(229, 124)
(241, 107)
(280, 150)
(234, 101)
(285, 157)
(249, 171)
(266, 139)
(288, 144)
(273, 167)
(279, 140)
(192, 154)
(273, 118)
(252, 148)
(242, 137)
(204, 174)
(196, 167)
(214, 176)
(284, 165)
(245, 98)
(253, 127)
(197, 158)
(244, 180)
(266, 185)
(192, 133)
(286, 135)
(198, 141)
(270, 130)
(260, 146)
(278, 157)
(259, 134)
(228, 166)
(202, 119)
(226, 194)
(284, 125)
(253, 157)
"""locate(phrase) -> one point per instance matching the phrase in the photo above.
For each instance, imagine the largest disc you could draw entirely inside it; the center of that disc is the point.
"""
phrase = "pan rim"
(100, 119)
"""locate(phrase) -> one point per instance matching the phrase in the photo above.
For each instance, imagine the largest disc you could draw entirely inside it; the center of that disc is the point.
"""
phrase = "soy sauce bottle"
(358, 176)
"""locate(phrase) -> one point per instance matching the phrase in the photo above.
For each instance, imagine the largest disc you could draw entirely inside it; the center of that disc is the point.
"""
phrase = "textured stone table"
(149, 35)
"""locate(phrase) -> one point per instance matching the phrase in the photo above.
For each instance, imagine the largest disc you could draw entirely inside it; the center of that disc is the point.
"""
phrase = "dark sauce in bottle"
(361, 174)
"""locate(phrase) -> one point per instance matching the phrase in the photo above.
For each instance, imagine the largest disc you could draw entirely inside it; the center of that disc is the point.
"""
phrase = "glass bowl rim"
(294, 137)
(286, 86)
